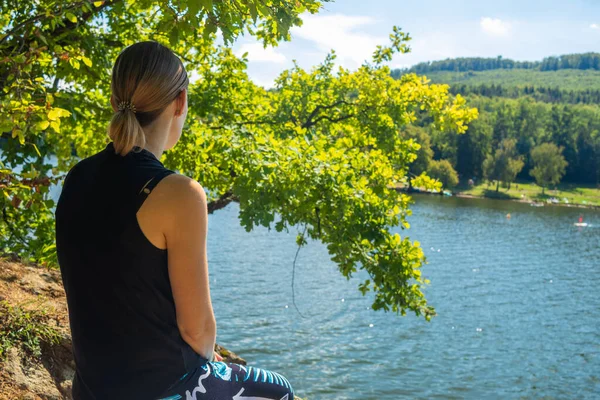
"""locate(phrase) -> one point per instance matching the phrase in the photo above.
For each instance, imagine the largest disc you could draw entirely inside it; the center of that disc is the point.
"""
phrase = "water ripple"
(519, 314)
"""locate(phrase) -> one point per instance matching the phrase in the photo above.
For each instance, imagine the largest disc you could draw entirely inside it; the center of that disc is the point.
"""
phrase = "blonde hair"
(150, 76)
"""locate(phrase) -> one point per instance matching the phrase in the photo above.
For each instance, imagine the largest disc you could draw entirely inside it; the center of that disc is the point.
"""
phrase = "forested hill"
(522, 105)
(572, 78)
(584, 61)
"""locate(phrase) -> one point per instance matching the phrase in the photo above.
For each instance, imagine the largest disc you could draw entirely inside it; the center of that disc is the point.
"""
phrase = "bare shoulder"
(181, 196)
(182, 187)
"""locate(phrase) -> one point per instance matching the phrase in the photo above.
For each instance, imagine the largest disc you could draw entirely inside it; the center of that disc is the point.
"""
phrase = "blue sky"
(521, 30)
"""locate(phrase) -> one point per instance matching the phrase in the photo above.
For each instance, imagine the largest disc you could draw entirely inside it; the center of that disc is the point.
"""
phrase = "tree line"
(515, 139)
(545, 94)
(568, 61)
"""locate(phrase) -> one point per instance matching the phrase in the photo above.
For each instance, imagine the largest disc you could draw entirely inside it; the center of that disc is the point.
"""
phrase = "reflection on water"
(518, 305)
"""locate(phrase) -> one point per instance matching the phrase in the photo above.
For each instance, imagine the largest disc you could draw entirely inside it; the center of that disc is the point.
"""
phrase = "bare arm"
(185, 234)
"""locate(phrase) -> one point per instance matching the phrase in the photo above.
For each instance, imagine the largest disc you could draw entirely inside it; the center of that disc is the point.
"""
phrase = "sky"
(516, 29)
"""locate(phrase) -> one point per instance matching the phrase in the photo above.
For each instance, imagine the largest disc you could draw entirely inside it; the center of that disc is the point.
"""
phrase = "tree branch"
(294, 273)
(310, 122)
(322, 117)
(221, 202)
(240, 124)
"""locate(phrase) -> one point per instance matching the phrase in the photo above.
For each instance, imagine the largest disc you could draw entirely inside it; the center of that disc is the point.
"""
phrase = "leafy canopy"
(549, 164)
(443, 171)
(322, 150)
(504, 164)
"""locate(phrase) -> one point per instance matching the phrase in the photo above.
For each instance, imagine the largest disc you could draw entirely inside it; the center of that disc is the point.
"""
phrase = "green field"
(566, 79)
(527, 191)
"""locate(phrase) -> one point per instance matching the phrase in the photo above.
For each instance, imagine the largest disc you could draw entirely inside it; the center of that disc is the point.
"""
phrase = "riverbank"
(526, 192)
(564, 195)
(36, 360)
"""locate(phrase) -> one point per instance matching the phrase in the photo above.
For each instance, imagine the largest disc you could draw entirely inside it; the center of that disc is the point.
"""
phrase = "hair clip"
(126, 105)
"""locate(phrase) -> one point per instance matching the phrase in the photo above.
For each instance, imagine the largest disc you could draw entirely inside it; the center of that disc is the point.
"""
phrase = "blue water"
(518, 303)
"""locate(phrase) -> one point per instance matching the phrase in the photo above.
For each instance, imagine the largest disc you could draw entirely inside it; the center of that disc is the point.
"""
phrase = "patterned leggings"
(217, 380)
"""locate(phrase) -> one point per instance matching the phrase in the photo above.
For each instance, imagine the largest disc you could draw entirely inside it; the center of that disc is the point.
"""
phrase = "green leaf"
(54, 114)
(57, 112)
(42, 125)
(194, 6)
(98, 3)
(253, 10)
(86, 61)
(71, 17)
(74, 63)
(36, 150)
(56, 126)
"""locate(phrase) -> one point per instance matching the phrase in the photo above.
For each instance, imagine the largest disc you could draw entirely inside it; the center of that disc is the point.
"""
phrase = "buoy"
(581, 223)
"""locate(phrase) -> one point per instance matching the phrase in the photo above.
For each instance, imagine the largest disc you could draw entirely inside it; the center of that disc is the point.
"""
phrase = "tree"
(442, 171)
(55, 64)
(321, 150)
(424, 154)
(549, 164)
(504, 164)
(473, 147)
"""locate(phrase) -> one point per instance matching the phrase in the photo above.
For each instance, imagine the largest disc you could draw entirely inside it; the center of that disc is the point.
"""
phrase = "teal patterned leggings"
(218, 380)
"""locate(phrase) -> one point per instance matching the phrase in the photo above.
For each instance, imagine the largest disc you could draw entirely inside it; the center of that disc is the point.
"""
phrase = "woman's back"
(126, 340)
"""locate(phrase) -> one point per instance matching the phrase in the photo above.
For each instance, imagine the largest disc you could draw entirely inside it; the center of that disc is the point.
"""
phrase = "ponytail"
(126, 131)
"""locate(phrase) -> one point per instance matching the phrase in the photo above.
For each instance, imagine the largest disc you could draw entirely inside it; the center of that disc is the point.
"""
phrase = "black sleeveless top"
(126, 342)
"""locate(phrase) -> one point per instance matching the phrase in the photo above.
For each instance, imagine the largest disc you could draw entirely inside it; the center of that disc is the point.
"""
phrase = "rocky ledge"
(40, 369)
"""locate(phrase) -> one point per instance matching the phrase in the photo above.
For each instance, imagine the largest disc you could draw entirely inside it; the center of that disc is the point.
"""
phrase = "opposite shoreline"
(504, 198)
(576, 205)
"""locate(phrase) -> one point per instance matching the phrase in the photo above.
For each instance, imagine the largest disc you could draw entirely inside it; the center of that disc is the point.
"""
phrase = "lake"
(517, 300)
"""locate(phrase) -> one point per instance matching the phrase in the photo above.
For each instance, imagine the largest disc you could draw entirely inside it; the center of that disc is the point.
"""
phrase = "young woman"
(131, 244)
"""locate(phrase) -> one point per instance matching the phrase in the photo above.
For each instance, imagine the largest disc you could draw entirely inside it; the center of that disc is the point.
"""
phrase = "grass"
(24, 328)
(527, 191)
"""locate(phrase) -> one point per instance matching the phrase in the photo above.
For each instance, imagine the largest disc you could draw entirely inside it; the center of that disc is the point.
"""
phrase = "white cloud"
(339, 32)
(595, 26)
(494, 26)
(432, 46)
(256, 52)
(266, 83)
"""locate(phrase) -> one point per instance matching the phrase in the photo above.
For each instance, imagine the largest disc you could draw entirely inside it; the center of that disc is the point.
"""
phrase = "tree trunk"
(497, 186)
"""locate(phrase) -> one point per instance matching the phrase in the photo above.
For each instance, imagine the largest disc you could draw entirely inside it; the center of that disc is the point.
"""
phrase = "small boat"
(536, 204)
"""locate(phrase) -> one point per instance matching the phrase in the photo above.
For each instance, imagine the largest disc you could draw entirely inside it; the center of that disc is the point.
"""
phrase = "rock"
(36, 379)
(229, 356)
